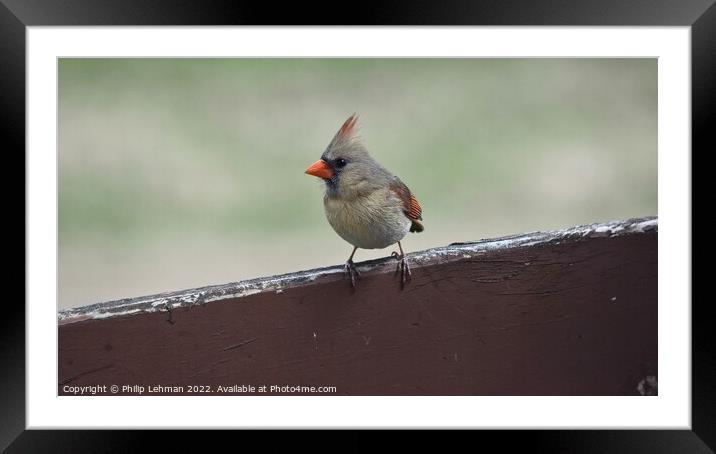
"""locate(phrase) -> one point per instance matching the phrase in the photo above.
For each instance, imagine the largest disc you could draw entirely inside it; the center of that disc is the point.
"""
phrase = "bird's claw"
(352, 272)
(403, 268)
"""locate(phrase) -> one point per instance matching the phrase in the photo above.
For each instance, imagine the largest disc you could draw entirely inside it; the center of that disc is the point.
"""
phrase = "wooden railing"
(570, 312)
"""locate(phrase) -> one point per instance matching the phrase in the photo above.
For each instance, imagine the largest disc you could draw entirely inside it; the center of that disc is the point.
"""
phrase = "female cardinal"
(366, 205)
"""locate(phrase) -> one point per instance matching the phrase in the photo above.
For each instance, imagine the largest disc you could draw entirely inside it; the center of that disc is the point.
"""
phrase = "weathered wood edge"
(278, 283)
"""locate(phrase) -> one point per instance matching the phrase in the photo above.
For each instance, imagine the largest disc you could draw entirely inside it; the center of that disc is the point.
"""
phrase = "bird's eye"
(340, 162)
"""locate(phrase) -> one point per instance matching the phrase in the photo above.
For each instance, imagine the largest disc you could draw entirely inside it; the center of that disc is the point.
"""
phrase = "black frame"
(15, 15)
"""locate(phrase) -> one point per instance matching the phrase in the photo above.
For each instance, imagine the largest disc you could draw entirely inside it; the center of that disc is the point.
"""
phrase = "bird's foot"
(403, 268)
(352, 272)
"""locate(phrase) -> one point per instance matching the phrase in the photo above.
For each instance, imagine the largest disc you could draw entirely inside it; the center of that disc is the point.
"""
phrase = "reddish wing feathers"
(411, 207)
(414, 210)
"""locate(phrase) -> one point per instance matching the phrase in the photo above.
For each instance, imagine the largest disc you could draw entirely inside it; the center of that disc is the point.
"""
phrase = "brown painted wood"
(561, 313)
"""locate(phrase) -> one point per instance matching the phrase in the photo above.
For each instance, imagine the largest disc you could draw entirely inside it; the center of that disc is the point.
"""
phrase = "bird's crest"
(347, 134)
(348, 128)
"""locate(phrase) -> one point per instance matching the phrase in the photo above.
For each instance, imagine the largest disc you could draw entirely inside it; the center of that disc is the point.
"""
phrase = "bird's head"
(345, 166)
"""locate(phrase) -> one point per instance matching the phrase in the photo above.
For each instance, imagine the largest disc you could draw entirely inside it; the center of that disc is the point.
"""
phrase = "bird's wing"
(411, 207)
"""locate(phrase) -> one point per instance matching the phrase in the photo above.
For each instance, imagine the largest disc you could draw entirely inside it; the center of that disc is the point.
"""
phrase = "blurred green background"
(177, 173)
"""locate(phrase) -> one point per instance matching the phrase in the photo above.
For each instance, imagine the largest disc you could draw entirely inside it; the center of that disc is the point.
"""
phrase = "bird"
(366, 204)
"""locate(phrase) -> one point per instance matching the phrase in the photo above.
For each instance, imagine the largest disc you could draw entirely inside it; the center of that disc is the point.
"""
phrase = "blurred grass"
(183, 172)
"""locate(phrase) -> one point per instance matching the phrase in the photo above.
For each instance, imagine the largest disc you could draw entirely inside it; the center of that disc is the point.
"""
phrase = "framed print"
(493, 213)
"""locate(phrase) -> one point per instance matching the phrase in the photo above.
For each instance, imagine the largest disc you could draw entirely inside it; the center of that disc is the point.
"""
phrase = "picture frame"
(15, 16)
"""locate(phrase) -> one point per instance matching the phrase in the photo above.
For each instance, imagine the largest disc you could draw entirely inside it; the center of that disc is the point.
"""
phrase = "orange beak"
(320, 169)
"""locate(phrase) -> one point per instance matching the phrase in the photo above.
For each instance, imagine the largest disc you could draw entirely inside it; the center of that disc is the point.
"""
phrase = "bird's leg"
(351, 270)
(403, 268)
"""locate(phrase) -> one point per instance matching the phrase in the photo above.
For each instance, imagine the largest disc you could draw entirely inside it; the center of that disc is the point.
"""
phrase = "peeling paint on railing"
(455, 251)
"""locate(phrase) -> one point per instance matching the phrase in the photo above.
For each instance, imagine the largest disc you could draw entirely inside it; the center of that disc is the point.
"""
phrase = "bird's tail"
(416, 226)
